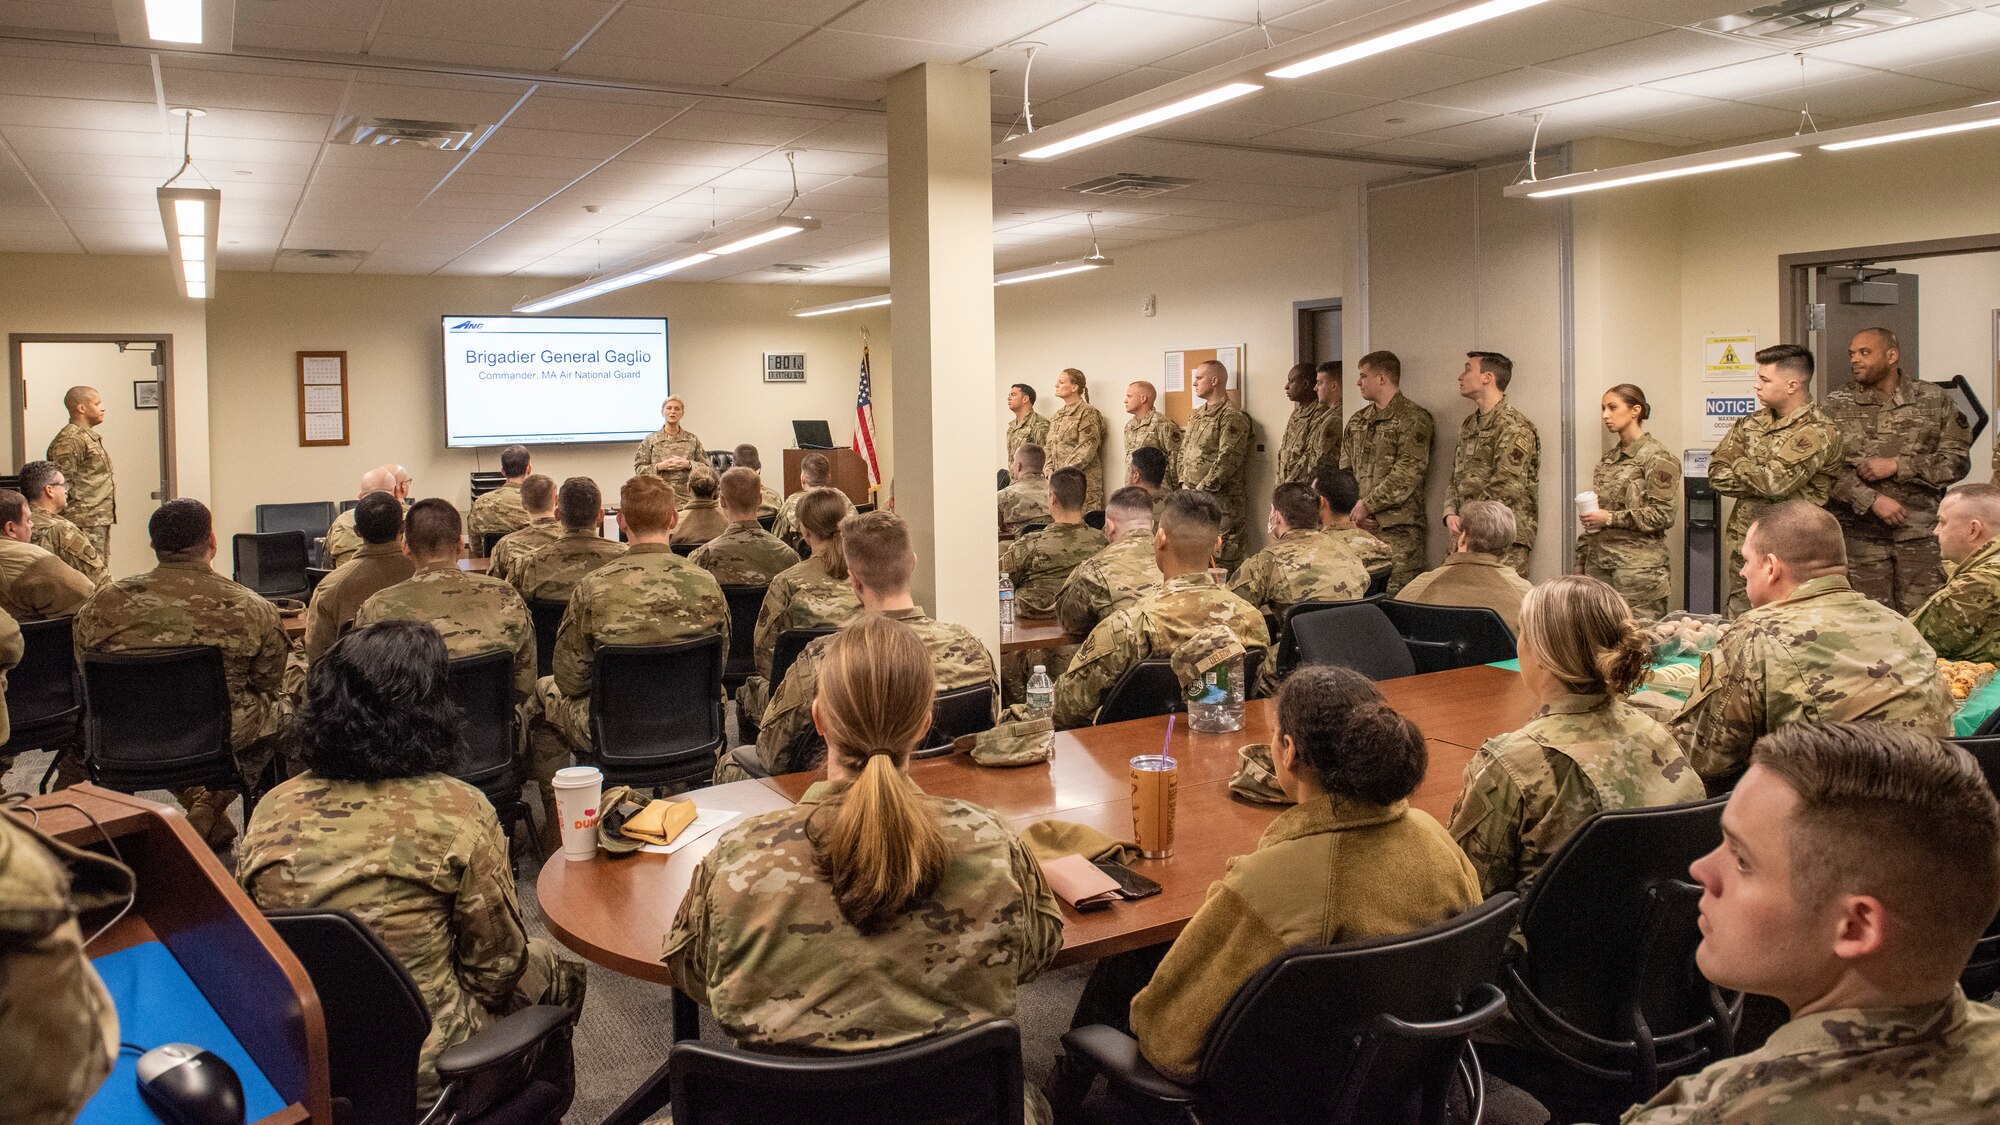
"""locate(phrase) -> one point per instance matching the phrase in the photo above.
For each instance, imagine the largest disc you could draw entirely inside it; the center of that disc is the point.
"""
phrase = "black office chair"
(44, 697)
(1372, 637)
(768, 522)
(721, 461)
(312, 518)
(1378, 584)
(1001, 480)
(1094, 519)
(1442, 637)
(159, 719)
(864, 509)
(656, 712)
(1982, 971)
(483, 688)
(968, 1077)
(347, 506)
(273, 563)
(683, 549)
(1608, 989)
(486, 541)
(1371, 1032)
(745, 602)
(314, 576)
(786, 651)
(1032, 525)
(547, 616)
(1150, 688)
(955, 714)
(517, 1071)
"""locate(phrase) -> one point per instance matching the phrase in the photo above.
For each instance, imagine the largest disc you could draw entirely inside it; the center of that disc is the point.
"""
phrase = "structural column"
(941, 337)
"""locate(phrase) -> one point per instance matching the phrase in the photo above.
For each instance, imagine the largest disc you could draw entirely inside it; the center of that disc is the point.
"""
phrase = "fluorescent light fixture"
(1993, 108)
(1402, 35)
(1053, 269)
(784, 226)
(1138, 121)
(174, 21)
(844, 306)
(140, 23)
(1646, 177)
(191, 217)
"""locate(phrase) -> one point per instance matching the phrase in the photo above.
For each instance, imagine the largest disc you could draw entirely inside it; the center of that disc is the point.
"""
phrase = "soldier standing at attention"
(78, 451)
(1387, 444)
(1114, 577)
(1787, 450)
(1076, 436)
(548, 573)
(1213, 451)
(1301, 563)
(1904, 443)
(501, 511)
(1858, 867)
(1624, 542)
(1147, 428)
(538, 500)
(1812, 650)
(744, 554)
(1312, 433)
(670, 451)
(48, 494)
(810, 595)
(1962, 621)
(34, 584)
(1027, 499)
(1028, 427)
(814, 472)
(1499, 454)
(182, 602)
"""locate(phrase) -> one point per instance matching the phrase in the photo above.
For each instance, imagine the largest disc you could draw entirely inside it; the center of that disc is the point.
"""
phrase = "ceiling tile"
(1538, 34)
(334, 41)
(952, 21)
(458, 52)
(1401, 74)
(1617, 107)
(547, 24)
(434, 103)
(1283, 106)
(222, 83)
(1659, 56)
(1723, 121)
(42, 76)
(1979, 72)
(705, 153)
(1395, 119)
(767, 82)
(579, 111)
(869, 58)
(1225, 49)
(1122, 35)
(511, 140)
(1929, 41)
(1777, 74)
(1515, 91)
(90, 17)
(701, 124)
(1873, 94)
(666, 37)
(82, 113)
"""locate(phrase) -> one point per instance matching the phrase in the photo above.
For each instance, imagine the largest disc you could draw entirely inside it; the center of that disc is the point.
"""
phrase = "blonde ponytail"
(885, 851)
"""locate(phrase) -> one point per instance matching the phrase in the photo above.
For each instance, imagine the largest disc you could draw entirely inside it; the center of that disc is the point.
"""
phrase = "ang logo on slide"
(466, 325)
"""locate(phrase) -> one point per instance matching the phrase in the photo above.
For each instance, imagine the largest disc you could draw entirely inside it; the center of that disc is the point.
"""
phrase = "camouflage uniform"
(374, 568)
(1765, 460)
(517, 545)
(1389, 450)
(58, 1030)
(769, 502)
(13, 646)
(93, 499)
(744, 555)
(550, 573)
(1499, 457)
(1300, 565)
(1962, 621)
(474, 613)
(1526, 791)
(64, 540)
(803, 597)
(342, 540)
(1076, 441)
(1152, 628)
(1108, 581)
(1923, 430)
(1312, 437)
(1825, 653)
(36, 586)
(499, 510)
(1374, 555)
(421, 861)
(1638, 487)
(759, 940)
(1024, 501)
(1930, 1062)
(183, 602)
(1212, 458)
(1030, 429)
(699, 522)
(1041, 561)
(1158, 431)
(786, 527)
(660, 445)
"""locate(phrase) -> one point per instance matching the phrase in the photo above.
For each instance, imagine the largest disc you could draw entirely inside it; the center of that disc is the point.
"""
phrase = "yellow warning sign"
(1729, 355)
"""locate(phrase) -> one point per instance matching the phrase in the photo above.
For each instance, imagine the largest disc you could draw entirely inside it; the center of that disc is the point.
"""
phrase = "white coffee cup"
(578, 789)
(1586, 502)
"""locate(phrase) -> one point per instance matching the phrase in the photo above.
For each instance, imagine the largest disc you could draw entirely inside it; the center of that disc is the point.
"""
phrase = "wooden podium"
(850, 472)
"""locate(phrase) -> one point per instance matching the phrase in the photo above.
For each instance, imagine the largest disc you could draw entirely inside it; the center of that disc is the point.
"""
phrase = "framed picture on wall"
(146, 395)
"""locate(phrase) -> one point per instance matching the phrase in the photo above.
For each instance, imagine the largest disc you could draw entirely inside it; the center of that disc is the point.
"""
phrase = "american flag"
(864, 425)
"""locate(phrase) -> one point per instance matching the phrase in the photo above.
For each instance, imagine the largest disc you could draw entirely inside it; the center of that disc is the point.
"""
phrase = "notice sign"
(1730, 356)
(1722, 406)
(784, 367)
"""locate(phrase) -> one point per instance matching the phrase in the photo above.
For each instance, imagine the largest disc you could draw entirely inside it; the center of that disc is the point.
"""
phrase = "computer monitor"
(812, 435)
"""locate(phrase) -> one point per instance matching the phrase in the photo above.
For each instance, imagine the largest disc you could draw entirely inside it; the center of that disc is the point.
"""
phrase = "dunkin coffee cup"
(1155, 777)
(1586, 502)
(577, 790)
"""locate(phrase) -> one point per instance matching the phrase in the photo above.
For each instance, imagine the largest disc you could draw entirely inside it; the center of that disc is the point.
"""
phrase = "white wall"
(131, 437)
(1958, 299)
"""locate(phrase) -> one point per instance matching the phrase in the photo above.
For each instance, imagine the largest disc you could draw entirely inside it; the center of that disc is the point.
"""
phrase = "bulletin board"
(1177, 388)
(322, 398)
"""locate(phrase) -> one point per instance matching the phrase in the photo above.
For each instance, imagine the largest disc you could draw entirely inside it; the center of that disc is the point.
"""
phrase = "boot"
(208, 815)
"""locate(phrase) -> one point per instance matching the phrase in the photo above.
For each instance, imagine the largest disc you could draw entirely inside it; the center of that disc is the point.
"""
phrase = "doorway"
(1316, 332)
(135, 376)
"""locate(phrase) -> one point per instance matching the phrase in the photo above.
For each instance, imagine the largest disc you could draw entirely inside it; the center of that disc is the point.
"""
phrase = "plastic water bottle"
(1006, 605)
(1215, 705)
(1041, 694)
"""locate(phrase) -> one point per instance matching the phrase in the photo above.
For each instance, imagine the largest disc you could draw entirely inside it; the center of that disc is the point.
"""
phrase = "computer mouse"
(186, 1085)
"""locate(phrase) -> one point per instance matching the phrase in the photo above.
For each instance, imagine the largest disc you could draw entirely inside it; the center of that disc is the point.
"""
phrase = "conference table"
(1036, 632)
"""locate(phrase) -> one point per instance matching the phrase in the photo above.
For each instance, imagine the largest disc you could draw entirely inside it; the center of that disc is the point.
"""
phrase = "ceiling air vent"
(1798, 22)
(325, 255)
(1133, 185)
(792, 267)
(443, 136)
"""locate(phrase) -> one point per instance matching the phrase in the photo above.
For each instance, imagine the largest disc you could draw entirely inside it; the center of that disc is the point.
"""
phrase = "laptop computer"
(812, 435)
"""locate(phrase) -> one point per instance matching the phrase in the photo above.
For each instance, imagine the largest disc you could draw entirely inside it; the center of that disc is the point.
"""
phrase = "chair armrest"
(745, 756)
(1433, 646)
(503, 1041)
(1116, 1056)
(1495, 1003)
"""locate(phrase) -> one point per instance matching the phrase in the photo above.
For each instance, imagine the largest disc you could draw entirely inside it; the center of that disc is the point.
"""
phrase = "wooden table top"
(1037, 632)
(616, 912)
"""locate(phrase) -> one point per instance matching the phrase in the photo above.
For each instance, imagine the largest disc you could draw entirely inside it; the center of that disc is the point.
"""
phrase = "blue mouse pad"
(157, 1004)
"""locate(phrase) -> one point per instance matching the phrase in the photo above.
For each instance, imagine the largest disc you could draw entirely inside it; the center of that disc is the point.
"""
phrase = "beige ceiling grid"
(612, 129)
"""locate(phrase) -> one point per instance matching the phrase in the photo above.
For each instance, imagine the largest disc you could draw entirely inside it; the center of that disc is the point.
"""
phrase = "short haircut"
(514, 461)
(580, 504)
(376, 705)
(182, 524)
(381, 478)
(378, 518)
(1351, 741)
(1792, 359)
(1150, 462)
(1803, 536)
(1191, 520)
(1218, 365)
(673, 398)
(740, 490)
(820, 511)
(1032, 457)
(814, 469)
(1888, 338)
(647, 503)
(1297, 503)
(1152, 393)
(432, 527)
(702, 483)
(1488, 526)
(1980, 501)
(1328, 367)
(37, 476)
(1496, 365)
(77, 396)
(1337, 487)
(1896, 814)
(1129, 505)
(1067, 488)
(1583, 633)
(877, 546)
(1383, 363)
(1027, 392)
(538, 493)
(13, 507)
(746, 456)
